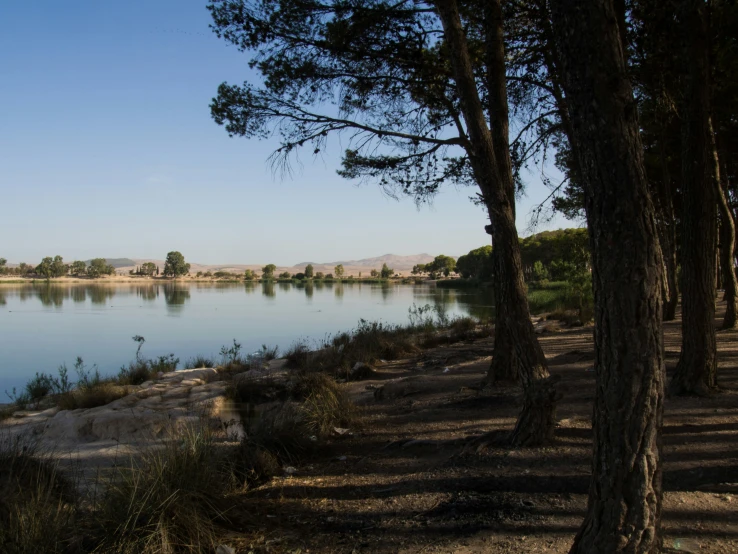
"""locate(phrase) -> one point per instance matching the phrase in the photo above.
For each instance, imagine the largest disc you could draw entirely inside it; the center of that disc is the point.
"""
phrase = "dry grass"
(368, 343)
(167, 502)
(326, 404)
(93, 396)
(38, 507)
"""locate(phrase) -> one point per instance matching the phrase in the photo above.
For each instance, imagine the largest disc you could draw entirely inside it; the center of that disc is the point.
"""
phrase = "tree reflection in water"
(175, 297)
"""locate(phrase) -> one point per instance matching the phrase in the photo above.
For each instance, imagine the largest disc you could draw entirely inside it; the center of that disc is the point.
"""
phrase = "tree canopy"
(175, 265)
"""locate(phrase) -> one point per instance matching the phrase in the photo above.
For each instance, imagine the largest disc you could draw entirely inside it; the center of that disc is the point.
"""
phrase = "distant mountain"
(398, 263)
(401, 264)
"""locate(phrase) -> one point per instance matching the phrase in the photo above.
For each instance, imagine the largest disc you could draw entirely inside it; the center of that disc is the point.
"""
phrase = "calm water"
(43, 325)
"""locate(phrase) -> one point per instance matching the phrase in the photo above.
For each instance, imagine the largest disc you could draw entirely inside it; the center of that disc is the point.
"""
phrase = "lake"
(43, 325)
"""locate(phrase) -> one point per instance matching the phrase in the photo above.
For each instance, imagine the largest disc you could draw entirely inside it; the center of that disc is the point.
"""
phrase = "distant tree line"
(50, 268)
(555, 255)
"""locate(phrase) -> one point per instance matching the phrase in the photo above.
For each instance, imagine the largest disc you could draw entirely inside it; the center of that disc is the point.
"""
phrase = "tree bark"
(535, 424)
(625, 497)
(667, 236)
(727, 253)
(504, 365)
(696, 372)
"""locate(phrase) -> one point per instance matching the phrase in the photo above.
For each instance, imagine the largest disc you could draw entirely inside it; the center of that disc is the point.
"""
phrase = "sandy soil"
(378, 492)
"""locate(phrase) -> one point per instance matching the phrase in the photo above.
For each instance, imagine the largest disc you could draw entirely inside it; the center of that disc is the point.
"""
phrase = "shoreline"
(163, 280)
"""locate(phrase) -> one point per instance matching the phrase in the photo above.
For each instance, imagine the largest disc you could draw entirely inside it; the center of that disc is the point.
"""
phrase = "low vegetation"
(38, 506)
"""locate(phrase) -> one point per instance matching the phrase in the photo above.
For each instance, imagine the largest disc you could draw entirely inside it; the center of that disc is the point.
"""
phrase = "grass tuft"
(166, 501)
(38, 507)
(199, 361)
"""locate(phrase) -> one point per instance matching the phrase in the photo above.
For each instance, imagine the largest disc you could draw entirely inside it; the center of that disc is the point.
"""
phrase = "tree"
(408, 95)
(320, 275)
(625, 493)
(267, 272)
(539, 273)
(338, 271)
(696, 372)
(78, 267)
(249, 275)
(285, 275)
(58, 267)
(441, 265)
(148, 269)
(477, 264)
(309, 271)
(99, 267)
(3, 263)
(175, 265)
(419, 269)
(45, 268)
(386, 272)
(374, 273)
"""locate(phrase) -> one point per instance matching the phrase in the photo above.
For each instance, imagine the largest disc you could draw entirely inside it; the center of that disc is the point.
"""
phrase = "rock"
(289, 470)
(223, 549)
(361, 371)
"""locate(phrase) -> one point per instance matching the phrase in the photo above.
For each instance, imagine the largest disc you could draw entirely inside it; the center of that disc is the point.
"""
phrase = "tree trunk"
(535, 424)
(625, 497)
(727, 253)
(667, 235)
(504, 365)
(696, 372)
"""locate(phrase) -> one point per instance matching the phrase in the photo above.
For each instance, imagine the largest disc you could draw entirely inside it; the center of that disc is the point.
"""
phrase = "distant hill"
(398, 263)
(401, 264)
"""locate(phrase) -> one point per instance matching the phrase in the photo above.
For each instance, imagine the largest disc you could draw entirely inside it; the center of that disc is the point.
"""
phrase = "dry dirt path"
(401, 484)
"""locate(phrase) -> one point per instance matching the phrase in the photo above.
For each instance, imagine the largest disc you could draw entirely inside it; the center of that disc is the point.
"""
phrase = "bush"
(199, 361)
(369, 342)
(142, 370)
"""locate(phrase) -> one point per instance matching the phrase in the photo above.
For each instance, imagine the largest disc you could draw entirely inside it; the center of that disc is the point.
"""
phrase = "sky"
(107, 149)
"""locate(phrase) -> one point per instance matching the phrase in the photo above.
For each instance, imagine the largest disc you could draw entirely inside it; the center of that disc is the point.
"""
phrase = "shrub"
(141, 370)
(199, 361)
(369, 342)
(297, 355)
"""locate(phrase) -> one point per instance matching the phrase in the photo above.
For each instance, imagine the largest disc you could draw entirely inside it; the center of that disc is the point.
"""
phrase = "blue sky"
(107, 148)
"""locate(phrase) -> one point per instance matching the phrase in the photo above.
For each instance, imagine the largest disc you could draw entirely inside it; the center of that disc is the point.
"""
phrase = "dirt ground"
(401, 483)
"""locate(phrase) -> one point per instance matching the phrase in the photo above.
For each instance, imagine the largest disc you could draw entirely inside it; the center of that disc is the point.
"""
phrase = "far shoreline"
(15, 279)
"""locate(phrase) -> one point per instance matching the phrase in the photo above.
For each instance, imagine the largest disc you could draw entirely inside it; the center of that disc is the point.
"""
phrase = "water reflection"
(249, 287)
(267, 289)
(147, 293)
(100, 294)
(475, 302)
(79, 295)
(175, 297)
(52, 295)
